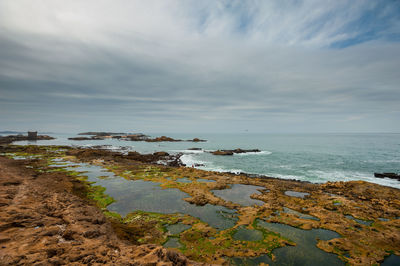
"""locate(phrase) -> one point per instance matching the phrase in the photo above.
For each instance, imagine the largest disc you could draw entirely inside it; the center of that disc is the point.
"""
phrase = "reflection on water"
(299, 214)
(131, 195)
(247, 234)
(359, 220)
(392, 260)
(205, 180)
(184, 180)
(296, 194)
(172, 242)
(304, 253)
(240, 194)
(177, 228)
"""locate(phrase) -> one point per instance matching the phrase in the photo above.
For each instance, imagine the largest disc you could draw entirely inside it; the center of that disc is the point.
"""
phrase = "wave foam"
(189, 160)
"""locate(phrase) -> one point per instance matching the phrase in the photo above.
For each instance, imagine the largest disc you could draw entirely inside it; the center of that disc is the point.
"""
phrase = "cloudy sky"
(200, 66)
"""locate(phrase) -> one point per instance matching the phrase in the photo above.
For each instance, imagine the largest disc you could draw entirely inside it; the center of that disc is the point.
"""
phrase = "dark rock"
(388, 175)
(198, 140)
(195, 149)
(245, 151)
(12, 138)
(163, 138)
(161, 154)
(231, 152)
(101, 133)
(219, 152)
(79, 138)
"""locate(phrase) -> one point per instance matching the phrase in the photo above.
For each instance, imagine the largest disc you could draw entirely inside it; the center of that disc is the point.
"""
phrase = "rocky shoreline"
(11, 138)
(340, 207)
(130, 137)
(232, 152)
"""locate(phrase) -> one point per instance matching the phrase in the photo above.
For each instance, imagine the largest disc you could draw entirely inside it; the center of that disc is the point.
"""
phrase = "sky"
(284, 66)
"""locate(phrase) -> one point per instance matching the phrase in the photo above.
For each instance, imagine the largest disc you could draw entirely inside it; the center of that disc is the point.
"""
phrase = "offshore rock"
(219, 152)
(198, 140)
(12, 138)
(388, 175)
(231, 152)
(80, 138)
(101, 133)
(163, 138)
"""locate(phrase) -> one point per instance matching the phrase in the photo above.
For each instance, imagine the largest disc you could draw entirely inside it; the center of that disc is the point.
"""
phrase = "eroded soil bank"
(42, 222)
(365, 215)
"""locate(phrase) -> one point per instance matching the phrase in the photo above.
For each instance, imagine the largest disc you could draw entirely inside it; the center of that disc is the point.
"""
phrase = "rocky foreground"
(45, 216)
(44, 222)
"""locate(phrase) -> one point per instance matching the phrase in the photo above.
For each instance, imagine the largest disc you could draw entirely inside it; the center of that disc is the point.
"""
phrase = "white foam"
(189, 160)
(222, 170)
(324, 176)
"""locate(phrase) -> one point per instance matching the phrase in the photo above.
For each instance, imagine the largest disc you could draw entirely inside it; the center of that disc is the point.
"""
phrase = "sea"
(316, 158)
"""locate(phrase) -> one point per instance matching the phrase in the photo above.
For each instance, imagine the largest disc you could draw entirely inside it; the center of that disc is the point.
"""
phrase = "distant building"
(32, 135)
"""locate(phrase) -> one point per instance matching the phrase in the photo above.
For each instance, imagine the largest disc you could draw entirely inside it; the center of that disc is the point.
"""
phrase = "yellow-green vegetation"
(148, 227)
(203, 244)
(97, 194)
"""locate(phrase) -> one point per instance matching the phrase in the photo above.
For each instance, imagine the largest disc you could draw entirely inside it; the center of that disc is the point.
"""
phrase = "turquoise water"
(312, 157)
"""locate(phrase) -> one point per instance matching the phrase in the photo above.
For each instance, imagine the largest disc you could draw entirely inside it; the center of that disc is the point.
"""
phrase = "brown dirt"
(43, 223)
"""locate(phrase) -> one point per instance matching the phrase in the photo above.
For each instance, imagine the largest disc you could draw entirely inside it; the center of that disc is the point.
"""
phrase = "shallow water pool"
(240, 194)
(304, 253)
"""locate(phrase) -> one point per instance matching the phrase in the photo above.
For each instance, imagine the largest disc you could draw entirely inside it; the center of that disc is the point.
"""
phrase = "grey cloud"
(209, 75)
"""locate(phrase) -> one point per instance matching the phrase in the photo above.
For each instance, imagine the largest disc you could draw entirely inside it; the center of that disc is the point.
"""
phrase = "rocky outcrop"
(94, 133)
(198, 140)
(223, 152)
(157, 157)
(12, 138)
(231, 152)
(388, 175)
(169, 139)
(163, 138)
(80, 138)
(129, 137)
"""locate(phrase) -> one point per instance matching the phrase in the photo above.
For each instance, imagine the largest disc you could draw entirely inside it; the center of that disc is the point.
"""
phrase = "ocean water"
(316, 158)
